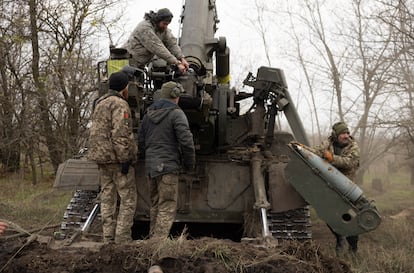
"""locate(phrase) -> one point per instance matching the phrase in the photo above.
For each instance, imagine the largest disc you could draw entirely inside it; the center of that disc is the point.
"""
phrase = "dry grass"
(389, 249)
(32, 206)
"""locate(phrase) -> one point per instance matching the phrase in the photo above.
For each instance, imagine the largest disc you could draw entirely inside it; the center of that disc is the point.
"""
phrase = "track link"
(291, 225)
(77, 212)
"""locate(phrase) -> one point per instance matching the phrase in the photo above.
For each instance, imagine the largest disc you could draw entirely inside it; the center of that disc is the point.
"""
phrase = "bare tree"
(356, 58)
(261, 28)
(47, 77)
(63, 67)
(399, 16)
(13, 76)
(314, 21)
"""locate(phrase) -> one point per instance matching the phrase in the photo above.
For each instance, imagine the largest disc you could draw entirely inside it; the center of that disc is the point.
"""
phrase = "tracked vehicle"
(248, 173)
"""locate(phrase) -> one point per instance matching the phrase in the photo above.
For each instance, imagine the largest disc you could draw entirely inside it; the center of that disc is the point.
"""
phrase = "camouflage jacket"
(166, 137)
(345, 159)
(145, 42)
(111, 138)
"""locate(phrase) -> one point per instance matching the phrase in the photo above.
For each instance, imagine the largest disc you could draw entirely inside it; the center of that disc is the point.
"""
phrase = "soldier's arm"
(155, 45)
(348, 160)
(121, 130)
(172, 45)
(319, 149)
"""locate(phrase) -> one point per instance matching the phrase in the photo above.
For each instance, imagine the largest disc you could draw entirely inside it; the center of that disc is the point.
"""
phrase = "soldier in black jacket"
(168, 143)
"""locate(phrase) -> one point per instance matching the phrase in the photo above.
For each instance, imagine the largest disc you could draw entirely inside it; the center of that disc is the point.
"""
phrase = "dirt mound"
(181, 255)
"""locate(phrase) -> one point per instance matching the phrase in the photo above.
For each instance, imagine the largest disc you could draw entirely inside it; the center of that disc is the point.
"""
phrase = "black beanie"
(118, 81)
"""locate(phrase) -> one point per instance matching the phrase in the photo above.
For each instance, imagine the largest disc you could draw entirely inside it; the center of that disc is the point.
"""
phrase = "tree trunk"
(32, 164)
(9, 134)
(54, 152)
(10, 157)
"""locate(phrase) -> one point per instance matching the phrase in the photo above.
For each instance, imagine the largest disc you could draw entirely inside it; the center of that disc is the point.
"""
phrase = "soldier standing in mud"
(342, 151)
(113, 148)
(167, 142)
(153, 37)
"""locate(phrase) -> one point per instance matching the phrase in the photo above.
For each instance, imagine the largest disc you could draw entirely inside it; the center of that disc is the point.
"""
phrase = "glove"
(125, 167)
(328, 156)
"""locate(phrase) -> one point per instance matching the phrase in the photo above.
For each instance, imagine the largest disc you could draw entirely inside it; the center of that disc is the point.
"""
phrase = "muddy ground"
(44, 254)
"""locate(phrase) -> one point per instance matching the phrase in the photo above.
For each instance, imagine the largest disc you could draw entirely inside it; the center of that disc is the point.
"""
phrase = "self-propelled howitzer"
(247, 173)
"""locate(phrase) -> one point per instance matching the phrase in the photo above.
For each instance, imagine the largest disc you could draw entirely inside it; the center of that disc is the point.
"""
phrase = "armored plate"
(80, 174)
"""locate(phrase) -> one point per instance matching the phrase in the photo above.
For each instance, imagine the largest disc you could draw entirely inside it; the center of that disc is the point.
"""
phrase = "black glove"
(125, 167)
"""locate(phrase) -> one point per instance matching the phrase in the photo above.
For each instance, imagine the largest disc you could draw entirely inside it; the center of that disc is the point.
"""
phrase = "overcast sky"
(238, 23)
(227, 14)
(247, 52)
(243, 41)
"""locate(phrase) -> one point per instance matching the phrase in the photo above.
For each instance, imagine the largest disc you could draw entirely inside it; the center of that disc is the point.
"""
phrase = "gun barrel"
(199, 18)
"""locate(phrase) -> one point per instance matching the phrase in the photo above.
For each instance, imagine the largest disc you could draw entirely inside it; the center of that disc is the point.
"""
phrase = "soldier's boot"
(155, 269)
(340, 244)
(353, 244)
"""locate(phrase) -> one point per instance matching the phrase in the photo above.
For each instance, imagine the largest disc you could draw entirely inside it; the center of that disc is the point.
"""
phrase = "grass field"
(389, 249)
(31, 206)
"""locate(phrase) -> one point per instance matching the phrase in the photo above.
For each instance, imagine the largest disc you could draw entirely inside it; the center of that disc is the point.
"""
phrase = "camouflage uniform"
(346, 160)
(146, 41)
(112, 143)
(168, 143)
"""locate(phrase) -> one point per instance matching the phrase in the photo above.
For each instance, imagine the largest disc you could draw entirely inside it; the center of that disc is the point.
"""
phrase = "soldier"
(342, 151)
(153, 37)
(167, 141)
(113, 147)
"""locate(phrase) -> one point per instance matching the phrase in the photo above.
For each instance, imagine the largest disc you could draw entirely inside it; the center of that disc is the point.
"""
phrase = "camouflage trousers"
(164, 193)
(117, 223)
